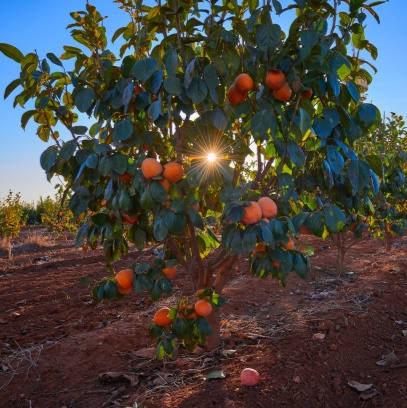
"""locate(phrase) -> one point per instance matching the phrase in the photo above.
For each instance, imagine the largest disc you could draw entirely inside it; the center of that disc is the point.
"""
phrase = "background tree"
(385, 149)
(211, 133)
(11, 219)
(56, 216)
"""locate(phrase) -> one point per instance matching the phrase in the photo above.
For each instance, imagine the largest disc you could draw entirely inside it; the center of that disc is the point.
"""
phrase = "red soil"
(54, 341)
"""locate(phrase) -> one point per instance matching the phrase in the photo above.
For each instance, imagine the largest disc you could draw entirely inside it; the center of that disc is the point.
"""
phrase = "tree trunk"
(340, 258)
(219, 277)
(387, 240)
(10, 249)
(340, 262)
(213, 340)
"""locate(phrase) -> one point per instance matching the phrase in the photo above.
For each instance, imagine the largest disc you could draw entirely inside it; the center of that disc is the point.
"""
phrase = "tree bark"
(387, 240)
(340, 259)
(213, 340)
(10, 248)
(223, 273)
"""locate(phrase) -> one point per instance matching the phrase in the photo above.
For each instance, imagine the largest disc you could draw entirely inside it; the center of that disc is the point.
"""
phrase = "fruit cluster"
(275, 80)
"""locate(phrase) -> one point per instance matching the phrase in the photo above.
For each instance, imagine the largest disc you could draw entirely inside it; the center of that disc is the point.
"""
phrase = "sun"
(211, 157)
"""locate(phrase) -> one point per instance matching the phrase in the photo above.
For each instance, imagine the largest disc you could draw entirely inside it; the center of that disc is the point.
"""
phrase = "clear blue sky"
(40, 25)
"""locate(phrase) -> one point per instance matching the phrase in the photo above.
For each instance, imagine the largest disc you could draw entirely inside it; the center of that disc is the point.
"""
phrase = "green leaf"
(353, 91)
(67, 150)
(49, 158)
(268, 36)
(309, 39)
(219, 119)
(368, 114)
(143, 69)
(11, 87)
(139, 238)
(173, 86)
(335, 159)
(203, 326)
(92, 161)
(359, 176)
(195, 218)
(303, 120)
(197, 90)
(54, 59)
(119, 163)
(296, 154)
(335, 218)
(11, 52)
(158, 192)
(26, 116)
(212, 81)
(79, 130)
(154, 110)
(110, 290)
(84, 99)
(262, 122)
(123, 130)
(300, 265)
(160, 229)
(171, 62)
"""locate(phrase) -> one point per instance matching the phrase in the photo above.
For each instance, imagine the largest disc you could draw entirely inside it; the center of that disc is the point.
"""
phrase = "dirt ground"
(308, 340)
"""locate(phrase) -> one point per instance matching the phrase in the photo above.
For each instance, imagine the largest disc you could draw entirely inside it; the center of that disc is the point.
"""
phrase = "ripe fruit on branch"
(151, 168)
(137, 90)
(244, 83)
(268, 207)
(235, 97)
(305, 230)
(130, 219)
(283, 94)
(252, 213)
(276, 263)
(126, 178)
(124, 279)
(289, 246)
(260, 248)
(307, 94)
(203, 308)
(249, 377)
(275, 79)
(170, 272)
(166, 184)
(173, 172)
(161, 317)
(124, 291)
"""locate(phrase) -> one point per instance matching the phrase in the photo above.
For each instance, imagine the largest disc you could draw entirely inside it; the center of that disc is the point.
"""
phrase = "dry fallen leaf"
(359, 386)
(215, 375)
(388, 360)
(228, 353)
(116, 377)
(318, 336)
(146, 352)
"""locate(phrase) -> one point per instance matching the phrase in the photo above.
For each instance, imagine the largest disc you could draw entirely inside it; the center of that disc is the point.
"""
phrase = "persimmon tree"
(56, 216)
(199, 134)
(11, 219)
(385, 149)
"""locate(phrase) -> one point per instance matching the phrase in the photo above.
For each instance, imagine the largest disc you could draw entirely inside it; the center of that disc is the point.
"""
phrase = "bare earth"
(307, 340)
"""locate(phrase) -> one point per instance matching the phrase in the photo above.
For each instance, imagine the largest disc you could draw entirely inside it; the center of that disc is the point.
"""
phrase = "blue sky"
(40, 25)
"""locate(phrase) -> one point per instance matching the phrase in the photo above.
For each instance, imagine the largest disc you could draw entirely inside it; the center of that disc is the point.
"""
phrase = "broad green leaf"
(197, 90)
(11, 52)
(54, 59)
(49, 157)
(173, 86)
(84, 99)
(143, 69)
(123, 130)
